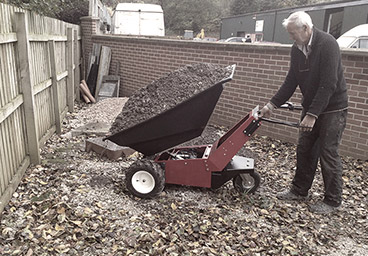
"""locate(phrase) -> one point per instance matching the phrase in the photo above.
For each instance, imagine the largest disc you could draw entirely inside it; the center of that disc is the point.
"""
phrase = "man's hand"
(266, 111)
(307, 123)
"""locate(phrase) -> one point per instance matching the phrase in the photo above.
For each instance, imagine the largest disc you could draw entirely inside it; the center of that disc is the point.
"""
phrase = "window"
(361, 43)
(240, 34)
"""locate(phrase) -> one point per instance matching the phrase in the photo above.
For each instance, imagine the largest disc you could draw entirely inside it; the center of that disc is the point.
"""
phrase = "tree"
(72, 10)
(66, 10)
(46, 8)
(192, 15)
(238, 7)
(243, 6)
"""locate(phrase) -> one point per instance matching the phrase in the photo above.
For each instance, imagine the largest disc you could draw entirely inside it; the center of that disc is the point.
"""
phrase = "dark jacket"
(320, 77)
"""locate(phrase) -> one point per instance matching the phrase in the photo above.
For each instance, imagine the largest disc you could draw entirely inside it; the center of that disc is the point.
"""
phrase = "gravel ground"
(76, 203)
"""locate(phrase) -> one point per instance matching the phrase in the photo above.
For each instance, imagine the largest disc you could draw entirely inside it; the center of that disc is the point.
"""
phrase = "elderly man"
(315, 66)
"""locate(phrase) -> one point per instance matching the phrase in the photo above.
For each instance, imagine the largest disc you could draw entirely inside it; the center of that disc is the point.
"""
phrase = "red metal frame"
(212, 158)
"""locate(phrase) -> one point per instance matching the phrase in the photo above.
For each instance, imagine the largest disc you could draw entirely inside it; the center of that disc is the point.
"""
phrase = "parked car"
(237, 40)
(209, 39)
(356, 37)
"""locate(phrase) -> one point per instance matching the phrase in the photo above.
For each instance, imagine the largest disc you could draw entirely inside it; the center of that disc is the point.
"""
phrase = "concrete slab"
(107, 148)
(96, 128)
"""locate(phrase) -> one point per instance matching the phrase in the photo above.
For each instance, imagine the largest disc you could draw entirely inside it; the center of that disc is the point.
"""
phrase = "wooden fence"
(39, 81)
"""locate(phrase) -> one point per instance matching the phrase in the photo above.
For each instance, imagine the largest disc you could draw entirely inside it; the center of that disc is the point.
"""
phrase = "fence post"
(77, 65)
(54, 85)
(70, 78)
(27, 87)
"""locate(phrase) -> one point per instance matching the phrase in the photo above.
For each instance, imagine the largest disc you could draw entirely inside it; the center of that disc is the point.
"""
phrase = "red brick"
(361, 64)
(360, 76)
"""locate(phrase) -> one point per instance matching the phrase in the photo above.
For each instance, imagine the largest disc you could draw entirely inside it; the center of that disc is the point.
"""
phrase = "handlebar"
(297, 125)
(289, 106)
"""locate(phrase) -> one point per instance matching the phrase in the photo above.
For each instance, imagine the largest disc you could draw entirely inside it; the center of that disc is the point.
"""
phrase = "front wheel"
(145, 179)
(247, 182)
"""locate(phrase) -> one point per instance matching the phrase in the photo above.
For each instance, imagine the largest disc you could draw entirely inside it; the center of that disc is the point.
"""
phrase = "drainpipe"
(139, 21)
(274, 27)
(220, 29)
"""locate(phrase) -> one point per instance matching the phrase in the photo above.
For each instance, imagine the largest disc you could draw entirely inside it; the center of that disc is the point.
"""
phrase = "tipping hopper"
(179, 124)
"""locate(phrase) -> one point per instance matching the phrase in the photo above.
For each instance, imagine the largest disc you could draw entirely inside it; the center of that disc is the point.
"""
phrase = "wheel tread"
(154, 169)
(257, 180)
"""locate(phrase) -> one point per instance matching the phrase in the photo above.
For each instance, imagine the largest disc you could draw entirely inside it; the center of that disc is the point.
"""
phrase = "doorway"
(333, 21)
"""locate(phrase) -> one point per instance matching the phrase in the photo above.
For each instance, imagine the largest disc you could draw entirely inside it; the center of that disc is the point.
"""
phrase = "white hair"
(300, 19)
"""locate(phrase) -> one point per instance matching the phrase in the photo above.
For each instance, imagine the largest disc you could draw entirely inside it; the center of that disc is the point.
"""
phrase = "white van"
(356, 37)
(138, 19)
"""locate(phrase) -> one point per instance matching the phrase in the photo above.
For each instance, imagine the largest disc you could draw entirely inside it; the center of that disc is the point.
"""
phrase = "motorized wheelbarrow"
(207, 166)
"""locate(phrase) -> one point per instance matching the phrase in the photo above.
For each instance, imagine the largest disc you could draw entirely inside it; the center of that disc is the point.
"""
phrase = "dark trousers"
(321, 143)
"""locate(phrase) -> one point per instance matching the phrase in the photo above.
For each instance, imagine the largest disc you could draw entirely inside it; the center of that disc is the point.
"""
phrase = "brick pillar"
(89, 27)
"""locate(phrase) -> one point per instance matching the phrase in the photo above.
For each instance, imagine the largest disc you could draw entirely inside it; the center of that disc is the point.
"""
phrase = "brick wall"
(260, 71)
(89, 27)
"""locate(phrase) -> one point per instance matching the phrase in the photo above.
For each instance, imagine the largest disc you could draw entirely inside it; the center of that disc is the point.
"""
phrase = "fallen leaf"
(88, 211)
(77, 222)
(6, 231)
(59, 228)
(29, 252)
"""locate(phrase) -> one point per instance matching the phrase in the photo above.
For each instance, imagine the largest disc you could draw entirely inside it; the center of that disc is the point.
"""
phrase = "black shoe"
(322, 208)
(290, 196)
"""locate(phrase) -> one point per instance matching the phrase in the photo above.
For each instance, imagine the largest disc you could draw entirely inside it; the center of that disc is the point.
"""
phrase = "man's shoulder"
(320, 34)
(322, 37)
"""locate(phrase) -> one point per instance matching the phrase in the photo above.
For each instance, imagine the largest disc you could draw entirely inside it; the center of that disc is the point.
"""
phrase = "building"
(333, 17)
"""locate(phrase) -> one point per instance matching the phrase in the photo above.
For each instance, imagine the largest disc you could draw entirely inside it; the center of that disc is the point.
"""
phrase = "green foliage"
(46, 8)
(238, 7)
(191, 14)
(66, 10)
(72, 10)
(243, 6)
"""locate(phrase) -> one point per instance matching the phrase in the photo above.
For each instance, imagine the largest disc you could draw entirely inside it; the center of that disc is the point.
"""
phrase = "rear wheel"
(145, 179)
(247, 182)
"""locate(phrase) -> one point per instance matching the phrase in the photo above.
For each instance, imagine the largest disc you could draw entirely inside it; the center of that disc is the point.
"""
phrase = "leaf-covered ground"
(76, 203)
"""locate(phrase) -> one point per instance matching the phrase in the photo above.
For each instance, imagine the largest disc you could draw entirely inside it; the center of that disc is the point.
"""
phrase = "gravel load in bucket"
(167, 92)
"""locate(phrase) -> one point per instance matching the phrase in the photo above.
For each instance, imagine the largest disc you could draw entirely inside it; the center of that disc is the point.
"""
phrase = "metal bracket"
(251, 128)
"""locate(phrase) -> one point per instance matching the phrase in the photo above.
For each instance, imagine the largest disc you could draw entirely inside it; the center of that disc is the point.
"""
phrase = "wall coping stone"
(257, 46)
(161, 41)
(87, 18)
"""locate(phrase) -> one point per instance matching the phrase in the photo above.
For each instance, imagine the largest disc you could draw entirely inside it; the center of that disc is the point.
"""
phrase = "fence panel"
(27, 97)
(13, 144)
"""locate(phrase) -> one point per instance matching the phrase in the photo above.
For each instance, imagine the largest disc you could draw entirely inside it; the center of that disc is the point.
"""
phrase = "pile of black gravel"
(167, 92)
